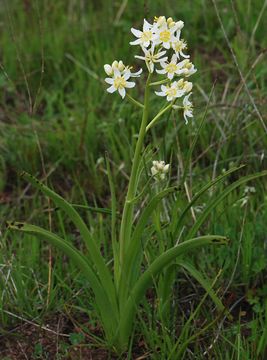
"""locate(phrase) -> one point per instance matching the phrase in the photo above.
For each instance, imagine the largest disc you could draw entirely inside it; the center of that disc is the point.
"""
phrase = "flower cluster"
(159, 169)
(162, 46)
(248, 191)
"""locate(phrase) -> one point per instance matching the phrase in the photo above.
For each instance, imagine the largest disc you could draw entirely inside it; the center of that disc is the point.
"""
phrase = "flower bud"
(161, 20)
(121, 66)
(108, 69)
(159, 169)
(180, 24)
(115, 64)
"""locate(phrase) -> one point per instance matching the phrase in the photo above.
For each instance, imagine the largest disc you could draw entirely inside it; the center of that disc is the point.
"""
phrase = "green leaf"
(144, 218)
(93, 250)
(217, 199)
(201, 192)
(115, 244)
(131, 269)
(154, 269)
(93, 209)
(103, 301)
(203, 282)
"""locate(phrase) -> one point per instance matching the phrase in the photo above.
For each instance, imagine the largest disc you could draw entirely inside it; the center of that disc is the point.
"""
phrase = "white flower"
(249, 190)
(150, 57)
(180, 25)
(159, 169)
(244, 201)
(143, 37)
(119, 65)
(165, 35)
(186, 86)
(119, 82)
(188, 108)
(109, 69)
(172, 91)
(132, 74)
(178, 46)
(159, 21)
(186, 68)
(170, 68)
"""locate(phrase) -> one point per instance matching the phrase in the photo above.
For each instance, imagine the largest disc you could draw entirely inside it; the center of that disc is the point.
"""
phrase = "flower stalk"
(127, 215)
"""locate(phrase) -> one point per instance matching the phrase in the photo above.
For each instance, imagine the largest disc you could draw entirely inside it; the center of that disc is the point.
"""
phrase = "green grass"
(58, 124)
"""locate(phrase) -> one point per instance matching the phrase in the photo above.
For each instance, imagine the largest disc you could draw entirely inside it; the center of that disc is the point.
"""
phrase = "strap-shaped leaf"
(143, 220)
(93, 250)
(217, 199)
(154, 269)
(201, 192)
(202, 281)
(103, 302)
(134, 247)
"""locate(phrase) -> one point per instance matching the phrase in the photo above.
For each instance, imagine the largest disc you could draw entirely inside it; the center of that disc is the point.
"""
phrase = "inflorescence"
(162, 46)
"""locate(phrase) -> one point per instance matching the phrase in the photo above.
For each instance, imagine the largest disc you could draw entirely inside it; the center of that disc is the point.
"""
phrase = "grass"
(57, 122)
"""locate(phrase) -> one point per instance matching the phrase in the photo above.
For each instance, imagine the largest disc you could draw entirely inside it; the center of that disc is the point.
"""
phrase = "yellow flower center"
(146, 36)
(187, 86)
(188, 65)
(180, 45)
(188, 107)
(119, 82)
(165, 36)
(180, 84)
(171, 92)
(171, 68)
(151, 58)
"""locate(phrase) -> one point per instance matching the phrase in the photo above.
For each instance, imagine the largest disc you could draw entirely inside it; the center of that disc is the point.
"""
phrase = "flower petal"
(140, 57)
(122, 92)
(135, 42)
(130, 84)
(151, 67)
(159, 54)
(146, 44)
(111, 89)
(160, 93)
(185, 56)
(137, 73)
(174, 59)
(163, 59)
(166, 45)
(108, 69)
(117, 72)
(146, 25)
(163, 71)
(109, 81)
(136, 32)
(127, 75)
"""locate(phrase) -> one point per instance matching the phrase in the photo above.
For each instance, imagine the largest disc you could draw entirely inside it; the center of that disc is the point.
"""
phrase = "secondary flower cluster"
(159, 169)
(162, 46)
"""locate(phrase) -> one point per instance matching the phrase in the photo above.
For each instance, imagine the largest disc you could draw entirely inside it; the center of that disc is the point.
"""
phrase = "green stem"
(135, 102)
(159, 82)
(127, 214)
(153, 121)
